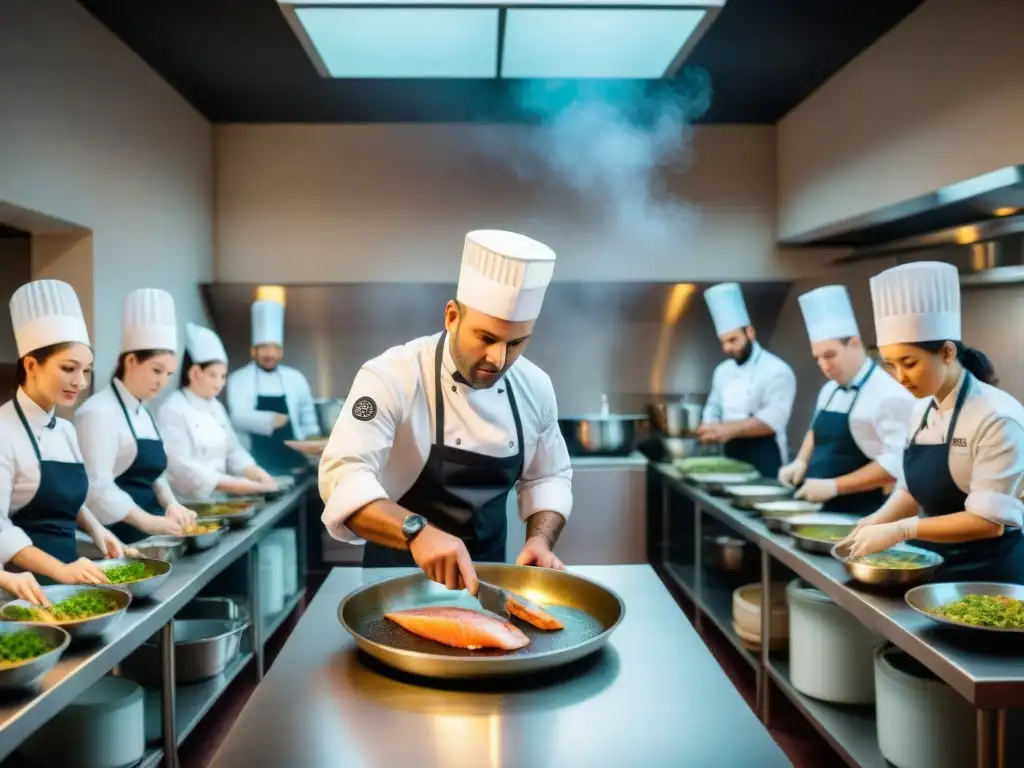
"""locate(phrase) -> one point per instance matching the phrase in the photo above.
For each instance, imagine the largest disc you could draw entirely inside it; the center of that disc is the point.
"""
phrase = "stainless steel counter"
(654, 697)
(84, 663)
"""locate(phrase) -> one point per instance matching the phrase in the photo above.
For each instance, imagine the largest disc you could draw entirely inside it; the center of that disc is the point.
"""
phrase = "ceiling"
(239, 61)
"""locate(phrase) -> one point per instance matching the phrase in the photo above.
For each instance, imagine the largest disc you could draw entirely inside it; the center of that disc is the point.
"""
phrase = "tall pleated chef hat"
(504, 274)
(267, 322)
(203, 345)
(46, 312)
(916, 302)
(728, 310)
(149, 321)
(828, 313)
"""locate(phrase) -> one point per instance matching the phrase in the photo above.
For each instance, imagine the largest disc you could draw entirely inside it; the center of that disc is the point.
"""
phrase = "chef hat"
(505, 275)
(149, 321)
(728, 310)
(203, 345)
(267, 322)
(828, 313)
(917, 302)
(44, 313)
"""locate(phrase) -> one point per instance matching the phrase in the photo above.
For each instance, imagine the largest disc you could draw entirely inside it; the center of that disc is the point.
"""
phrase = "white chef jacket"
(763, 387)
(109, 449)
(202, 447)
(382, 457)
(878, 422)
(249, 382)
(986, 451)
(19, 467)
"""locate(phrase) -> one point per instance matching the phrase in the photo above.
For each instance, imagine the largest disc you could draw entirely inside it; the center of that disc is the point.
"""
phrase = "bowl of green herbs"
(982, 605)
(141, 576)
(27, 652)
(84, 610)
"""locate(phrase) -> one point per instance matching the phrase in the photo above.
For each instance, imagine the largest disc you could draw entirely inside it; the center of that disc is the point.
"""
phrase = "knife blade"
(493, 599)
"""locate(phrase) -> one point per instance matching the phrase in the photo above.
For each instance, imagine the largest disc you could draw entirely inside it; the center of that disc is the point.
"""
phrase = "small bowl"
(157, 572)
(834, 533)
(200, 541)
(927, 597)
(880, 575)
(748, 496)
(93, 626)
(774, 513)
(27, 673)
(167, 548)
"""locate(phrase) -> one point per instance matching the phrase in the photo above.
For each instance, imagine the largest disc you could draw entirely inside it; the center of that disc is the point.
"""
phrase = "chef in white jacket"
(963, 469)
(436, 432)
(270, 402)
(204, 454)
(43, 482)
(854, 448)
(123, 450)
(752, 392)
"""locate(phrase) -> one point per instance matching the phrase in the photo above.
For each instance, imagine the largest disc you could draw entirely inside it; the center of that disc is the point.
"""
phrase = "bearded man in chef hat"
(437, 431)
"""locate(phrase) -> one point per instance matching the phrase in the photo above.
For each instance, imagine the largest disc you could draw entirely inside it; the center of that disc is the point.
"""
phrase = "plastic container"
(831, 654)
(289, 546)
(271, 561)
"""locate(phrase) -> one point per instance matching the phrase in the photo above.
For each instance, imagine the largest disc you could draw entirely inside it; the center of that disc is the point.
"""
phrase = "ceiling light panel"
(357, 42)
(568, 4)
(602, 43)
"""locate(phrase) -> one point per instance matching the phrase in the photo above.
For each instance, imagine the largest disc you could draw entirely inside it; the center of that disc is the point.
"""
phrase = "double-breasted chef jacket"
(764, 387)
(202, 446)
(20, 466)
(384, 435)
(110, 446)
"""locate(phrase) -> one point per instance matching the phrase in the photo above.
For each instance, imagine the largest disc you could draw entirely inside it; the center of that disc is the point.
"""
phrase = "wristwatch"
(412, 525)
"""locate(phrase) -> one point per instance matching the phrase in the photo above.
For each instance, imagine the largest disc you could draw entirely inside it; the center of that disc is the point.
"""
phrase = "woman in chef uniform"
(964, 465)
(854, 448)
(123, 452)
(203, 450)
(43, 483)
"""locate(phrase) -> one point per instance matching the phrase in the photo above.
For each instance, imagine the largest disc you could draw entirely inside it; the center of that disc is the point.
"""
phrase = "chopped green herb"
(985, 611)
(17, 647)
(84, 605)
(122, 574)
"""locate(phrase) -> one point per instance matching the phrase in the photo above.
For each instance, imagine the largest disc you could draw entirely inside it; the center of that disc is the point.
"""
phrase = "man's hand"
(536, 551)
(280, 420)
(444, 559)
(715, 432)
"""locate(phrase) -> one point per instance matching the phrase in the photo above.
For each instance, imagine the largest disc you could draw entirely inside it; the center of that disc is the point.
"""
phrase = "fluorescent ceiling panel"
(569, 43)
(581, 4)
(404, 42)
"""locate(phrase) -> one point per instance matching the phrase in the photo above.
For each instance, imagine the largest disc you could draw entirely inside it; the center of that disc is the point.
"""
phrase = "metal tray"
(157, 570)
(879, 576)
(775, 513)
(247, 508)
(81, 628)
(817, 546)
(749, 495)
(28, 673)
(590, 612)
(928, 596)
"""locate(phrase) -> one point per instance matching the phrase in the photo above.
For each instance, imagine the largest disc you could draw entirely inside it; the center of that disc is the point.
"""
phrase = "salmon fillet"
(532, 613)
(460, 628)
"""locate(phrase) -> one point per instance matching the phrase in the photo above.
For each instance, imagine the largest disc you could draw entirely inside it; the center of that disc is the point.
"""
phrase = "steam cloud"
(612, 142)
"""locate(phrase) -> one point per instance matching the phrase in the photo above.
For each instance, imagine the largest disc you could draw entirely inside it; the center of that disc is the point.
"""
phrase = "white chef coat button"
(501, 391)
(454, 388)
(458, 441)
(511, 443)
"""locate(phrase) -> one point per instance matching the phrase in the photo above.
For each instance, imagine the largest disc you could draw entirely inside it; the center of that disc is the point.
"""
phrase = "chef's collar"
(131, 402)
(858, 379)
(949, 403)
(36, 417)
(448, 362)
(195, 399)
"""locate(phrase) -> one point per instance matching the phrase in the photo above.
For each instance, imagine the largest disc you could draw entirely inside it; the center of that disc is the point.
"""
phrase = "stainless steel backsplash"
(626, 340)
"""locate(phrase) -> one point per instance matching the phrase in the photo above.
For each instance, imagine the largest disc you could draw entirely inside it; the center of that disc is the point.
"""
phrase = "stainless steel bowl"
(750, 495)
(819, 546)
(27, 673)
(246, 508)
(876, 575)
(717, 482)
(157, 572)
(726, 553)
(168, 548)
(675, 419)
(775, 513)
(612, 435)
(927, 597)
(197, 542)
(202, 649)
(815, 518)
(80, 628)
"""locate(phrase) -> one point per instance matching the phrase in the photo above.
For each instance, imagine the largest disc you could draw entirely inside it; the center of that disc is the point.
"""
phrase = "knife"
(493, 599)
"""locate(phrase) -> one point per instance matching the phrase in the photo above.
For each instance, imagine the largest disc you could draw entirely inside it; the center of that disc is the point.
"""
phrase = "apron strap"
(28, 430)
(113, 386)
(961, 397)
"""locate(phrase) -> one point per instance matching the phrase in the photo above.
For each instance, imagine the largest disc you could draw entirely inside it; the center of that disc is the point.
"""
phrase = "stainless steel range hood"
(977, 224)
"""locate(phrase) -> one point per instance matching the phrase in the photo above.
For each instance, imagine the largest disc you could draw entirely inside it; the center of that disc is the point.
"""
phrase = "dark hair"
(974, 360)
(186, 367)
(141, 355)
(40, 355)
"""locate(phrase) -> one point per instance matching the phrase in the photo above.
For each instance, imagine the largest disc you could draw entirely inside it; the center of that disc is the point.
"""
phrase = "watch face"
(413, 524)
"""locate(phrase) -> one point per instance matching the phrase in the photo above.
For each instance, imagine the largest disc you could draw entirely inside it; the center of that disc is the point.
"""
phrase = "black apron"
(461, 492)
(51, 517)
(762, 451)
(269, 451)
(137, 481)
(836, 454)
(929, 481)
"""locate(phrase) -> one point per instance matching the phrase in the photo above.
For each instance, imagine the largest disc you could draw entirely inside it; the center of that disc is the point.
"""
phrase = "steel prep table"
(182, 707)
(991, 678)
(653, 697)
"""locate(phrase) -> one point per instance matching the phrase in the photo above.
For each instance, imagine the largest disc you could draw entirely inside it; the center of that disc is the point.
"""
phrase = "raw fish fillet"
(532, 613)
(460, 628)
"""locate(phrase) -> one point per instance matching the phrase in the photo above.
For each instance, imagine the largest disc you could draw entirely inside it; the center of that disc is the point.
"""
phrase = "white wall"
(91, 135)
(341, 203)
(937, 100)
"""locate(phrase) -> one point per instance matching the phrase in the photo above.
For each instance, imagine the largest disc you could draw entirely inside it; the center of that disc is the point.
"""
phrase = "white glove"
(791, 474)
(818, 489)
(869, 539)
